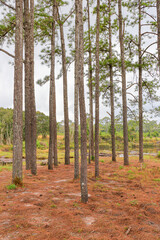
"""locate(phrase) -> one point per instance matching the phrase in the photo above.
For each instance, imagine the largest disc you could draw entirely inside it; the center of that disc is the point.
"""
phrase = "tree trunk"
(32, 94)
(124, 97)
(18, 96)
(84, 189)
(158, 30)
(30, 109)
(111, 87)
(91, 141)
(97, 94)
(140, 91)
(52, 102)
(76, 129)
(27, 85)
(65, 93)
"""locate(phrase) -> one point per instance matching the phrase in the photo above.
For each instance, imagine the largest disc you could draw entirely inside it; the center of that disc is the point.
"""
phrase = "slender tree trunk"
(158, 31)
(30, 109)
(32, 94)
(124, 97)
(111, 88)
(18, 96)
(65, 93)
(140, 91)
(76, 129)
(97, 94)
(84, 189)
(52, 101)
(91, 141)
(27, 85)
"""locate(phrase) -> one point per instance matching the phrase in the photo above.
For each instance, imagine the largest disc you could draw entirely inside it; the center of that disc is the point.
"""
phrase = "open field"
(124, 203)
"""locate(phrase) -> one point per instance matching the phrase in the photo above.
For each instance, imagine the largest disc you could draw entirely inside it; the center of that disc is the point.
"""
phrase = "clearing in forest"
(124, 203)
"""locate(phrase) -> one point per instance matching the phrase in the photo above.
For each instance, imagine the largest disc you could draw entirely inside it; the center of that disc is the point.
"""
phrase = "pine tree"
(124, 97)
(18, 96)
(52, 101)
(76, 88)
(97, 94)
(84, 188)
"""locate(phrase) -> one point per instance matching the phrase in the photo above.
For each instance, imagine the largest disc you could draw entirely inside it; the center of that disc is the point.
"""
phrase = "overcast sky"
(42, 93)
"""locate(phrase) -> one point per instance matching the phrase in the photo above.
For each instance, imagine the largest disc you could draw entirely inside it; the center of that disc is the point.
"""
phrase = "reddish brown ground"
(124, 204)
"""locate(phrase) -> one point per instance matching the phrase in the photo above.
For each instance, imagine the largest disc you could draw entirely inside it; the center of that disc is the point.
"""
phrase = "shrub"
(11, 187)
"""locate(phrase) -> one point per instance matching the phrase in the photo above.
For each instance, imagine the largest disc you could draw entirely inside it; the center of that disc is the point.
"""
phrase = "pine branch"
(7, 5)
(152, 55)
(69, 16)
(149, 15)
(11, 27)
(131, 86)
(132, 113)
(9, 54)
(147, 48)
(149, 33)
(132, 96)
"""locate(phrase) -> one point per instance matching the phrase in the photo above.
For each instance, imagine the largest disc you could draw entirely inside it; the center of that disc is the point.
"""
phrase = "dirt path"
(123, 204)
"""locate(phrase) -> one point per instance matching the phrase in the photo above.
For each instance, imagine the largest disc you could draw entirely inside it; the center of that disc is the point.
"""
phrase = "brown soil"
(124, 203)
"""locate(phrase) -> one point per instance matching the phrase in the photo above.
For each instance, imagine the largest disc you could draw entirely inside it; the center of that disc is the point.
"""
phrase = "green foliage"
(41, 145)
(133, 202)
(156, 179)
(102, 161)
(53, 206)
(158, 154)
(42, 124)
(6, 125)
(11, 187)
(121, 167)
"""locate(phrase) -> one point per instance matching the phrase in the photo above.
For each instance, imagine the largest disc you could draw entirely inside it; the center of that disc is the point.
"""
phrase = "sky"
(41, 93)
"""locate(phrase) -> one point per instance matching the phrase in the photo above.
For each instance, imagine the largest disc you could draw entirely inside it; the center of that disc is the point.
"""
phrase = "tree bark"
(111, 88)
(30, 108)
(140, 90)
(83, 181)
(52, 102)
(97, 94)
(27, 85)
(91, 141)
(124, 97)
(76, 128)
(32, 94)
(18, 96)
(65, 93)
(158, 31)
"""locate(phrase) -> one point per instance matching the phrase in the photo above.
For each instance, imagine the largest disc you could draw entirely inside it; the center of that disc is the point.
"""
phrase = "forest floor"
(124, 203)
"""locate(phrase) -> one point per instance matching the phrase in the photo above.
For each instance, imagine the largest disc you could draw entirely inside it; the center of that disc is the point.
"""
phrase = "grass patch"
(133, 202)
(121, 167)
(102, 161)
(75, 205)
(6, 167)
(131, 177)
(156, 179)
(130, 171)
(53, 206)
(11, 187)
